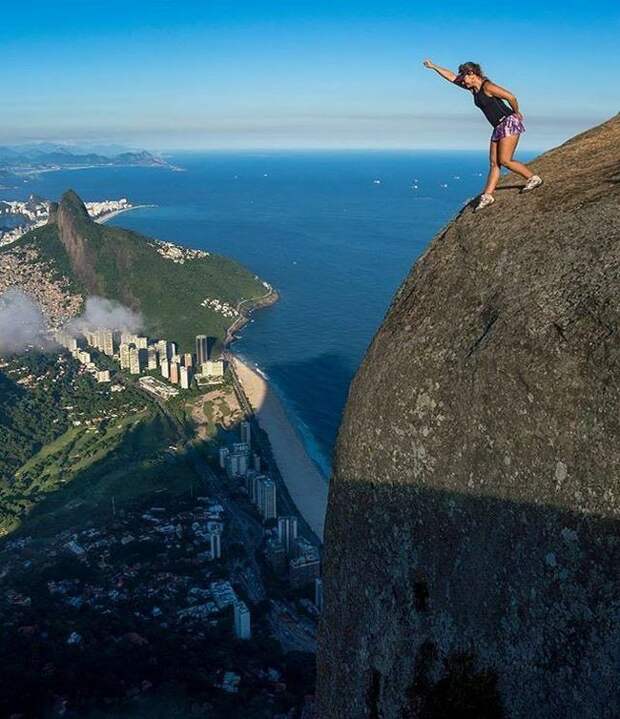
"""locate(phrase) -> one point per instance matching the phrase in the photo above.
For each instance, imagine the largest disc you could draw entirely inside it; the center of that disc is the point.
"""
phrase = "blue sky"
(167, 75)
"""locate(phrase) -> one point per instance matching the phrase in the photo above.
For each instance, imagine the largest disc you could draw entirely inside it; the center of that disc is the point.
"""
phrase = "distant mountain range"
(45, 156)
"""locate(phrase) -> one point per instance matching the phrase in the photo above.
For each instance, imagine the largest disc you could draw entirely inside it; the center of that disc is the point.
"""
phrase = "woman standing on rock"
(505, 118)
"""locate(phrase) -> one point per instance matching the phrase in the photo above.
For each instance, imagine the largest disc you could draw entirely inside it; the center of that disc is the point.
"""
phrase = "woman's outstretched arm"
(444, 72)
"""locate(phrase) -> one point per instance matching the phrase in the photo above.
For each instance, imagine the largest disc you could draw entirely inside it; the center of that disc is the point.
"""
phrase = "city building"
(151, 358)
(305, 567)
(224, 452)
(106, 342)
(212, 368)
(66, 339)
(162, 350)
(223, 593)
(243, 628)
(83, 357)
(276, 555)
(287, 534)
(236, 464)
(135, 365)
(215, 538)
(256, 462)
(266, 498)
(157, 388)
(124, 355)
(245, 430)
(202, 350)
(103, 375)
(164, 367)
(185, 376)
(127, 338)
(174, 372)
(249, 483)
(188, 359)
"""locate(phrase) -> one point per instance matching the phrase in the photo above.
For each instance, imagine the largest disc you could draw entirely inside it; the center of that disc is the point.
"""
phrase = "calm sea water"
(335, 233)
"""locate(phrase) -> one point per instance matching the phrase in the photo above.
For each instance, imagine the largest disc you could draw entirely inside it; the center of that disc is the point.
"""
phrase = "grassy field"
(72, 480)
(91, 445)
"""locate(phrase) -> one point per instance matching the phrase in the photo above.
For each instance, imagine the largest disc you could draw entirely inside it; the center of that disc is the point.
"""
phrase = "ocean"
(334, 232)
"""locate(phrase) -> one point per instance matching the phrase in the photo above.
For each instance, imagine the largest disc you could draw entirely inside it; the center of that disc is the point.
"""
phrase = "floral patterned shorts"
(511, 125)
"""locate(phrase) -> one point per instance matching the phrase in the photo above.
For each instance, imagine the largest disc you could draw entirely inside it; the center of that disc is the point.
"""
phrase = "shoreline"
(104, 218)
(30, 172)
(268, 299)
(307, 486)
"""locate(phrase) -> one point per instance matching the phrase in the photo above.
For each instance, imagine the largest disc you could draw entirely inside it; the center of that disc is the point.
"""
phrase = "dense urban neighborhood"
(179, 566)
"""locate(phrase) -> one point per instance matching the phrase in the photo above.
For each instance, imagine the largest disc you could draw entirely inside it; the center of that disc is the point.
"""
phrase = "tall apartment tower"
(202, 349)
(162, 350)
(243, 629)
(287, 533)
(266, 498)
(152, 358)
(224, 452)
(256, 462)
(127, 338)
(246, 432)
(215, 538)
(185, 377)
(107, 344)
(237, 464)
(124, 355)
(174, 372)
(134, 360)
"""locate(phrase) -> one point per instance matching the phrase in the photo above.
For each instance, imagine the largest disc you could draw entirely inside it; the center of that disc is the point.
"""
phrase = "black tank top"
(494, 108)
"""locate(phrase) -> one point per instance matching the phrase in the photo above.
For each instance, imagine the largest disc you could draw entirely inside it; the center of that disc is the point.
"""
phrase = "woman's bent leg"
(505, 151)
(494, 171)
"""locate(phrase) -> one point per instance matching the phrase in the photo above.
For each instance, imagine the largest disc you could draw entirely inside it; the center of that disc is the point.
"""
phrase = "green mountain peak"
(180, 292)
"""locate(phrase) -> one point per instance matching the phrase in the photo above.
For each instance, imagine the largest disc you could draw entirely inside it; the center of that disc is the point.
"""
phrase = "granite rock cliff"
(472, 538)
(73, 222)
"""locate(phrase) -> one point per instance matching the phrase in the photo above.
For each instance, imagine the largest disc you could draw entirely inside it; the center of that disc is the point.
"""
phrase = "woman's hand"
(445, 73)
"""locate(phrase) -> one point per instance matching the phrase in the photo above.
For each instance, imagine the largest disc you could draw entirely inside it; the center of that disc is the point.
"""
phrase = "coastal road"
(241, 395)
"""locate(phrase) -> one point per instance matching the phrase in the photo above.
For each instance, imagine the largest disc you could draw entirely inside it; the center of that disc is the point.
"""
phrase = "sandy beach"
(306, 485)
(108, 216)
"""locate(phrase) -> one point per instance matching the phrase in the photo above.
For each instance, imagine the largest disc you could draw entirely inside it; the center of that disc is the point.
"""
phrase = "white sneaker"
(533, 182)
(485, 201)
